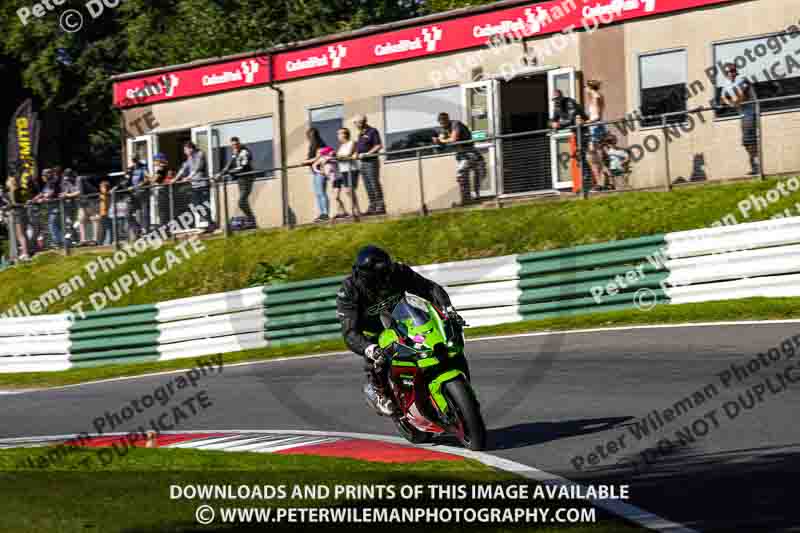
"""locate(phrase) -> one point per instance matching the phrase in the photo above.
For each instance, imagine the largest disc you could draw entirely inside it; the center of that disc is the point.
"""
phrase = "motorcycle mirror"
(387, 320)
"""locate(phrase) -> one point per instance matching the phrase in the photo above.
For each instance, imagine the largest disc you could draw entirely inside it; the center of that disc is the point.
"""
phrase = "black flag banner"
(23, 144)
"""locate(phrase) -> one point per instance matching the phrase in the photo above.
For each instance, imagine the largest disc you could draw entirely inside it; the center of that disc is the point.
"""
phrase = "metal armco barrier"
(739, 261)
(561, 282)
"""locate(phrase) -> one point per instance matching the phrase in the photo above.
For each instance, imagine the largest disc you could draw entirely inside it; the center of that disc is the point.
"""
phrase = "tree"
(437, 6)
(68, 73)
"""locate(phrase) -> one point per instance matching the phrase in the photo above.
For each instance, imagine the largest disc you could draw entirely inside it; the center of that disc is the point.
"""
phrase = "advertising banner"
(23, 145)
(420, 41)
(192, 81)
(472, 31)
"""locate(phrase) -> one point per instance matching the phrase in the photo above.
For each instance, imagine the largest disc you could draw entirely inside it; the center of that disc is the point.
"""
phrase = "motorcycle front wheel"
(470, 428)
(409, 432)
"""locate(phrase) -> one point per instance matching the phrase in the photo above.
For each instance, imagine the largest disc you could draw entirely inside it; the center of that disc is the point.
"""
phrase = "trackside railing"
(613, 156)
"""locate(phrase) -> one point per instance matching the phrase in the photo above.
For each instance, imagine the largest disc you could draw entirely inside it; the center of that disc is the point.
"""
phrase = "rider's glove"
(455, 317)
(374, 354)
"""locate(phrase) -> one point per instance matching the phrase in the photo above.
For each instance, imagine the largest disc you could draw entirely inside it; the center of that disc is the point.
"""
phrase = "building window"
(662, 81)
(256, 134)
(411, 118)
(765, 62)
(327, 120)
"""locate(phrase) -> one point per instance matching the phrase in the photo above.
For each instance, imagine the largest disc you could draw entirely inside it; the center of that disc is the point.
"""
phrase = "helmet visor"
(376, 274)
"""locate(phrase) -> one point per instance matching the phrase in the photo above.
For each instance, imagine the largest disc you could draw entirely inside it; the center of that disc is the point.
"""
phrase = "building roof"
(368, 30)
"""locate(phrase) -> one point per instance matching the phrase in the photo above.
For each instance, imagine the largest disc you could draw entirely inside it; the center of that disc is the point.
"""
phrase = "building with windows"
(652, 57)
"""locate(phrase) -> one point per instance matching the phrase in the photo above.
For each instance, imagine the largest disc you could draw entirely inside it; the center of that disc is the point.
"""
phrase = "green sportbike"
(428, 374)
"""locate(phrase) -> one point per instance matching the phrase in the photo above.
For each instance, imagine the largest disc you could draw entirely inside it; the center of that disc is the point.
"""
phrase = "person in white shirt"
(738, 92)
(347, 178)
(595, 109)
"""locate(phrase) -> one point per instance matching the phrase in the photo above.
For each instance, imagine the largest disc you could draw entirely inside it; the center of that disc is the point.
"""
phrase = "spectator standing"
(315, 145)
(161, 180)
(567, 113)
(33, 208)
(101, 220)
(348, 173)
(368, 144)
(87, 208)
(469, 160)
(739, 93)
(239, 167)
(70, 192)
(597, 131)
(22, 191)
(194, 171)
(327, 165)
(136, 181)
(49, 195)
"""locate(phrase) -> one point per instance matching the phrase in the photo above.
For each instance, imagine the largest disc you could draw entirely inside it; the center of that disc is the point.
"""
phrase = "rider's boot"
(378, 400)
(375, 393)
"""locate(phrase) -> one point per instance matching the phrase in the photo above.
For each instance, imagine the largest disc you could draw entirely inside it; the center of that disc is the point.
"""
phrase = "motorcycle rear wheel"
(471, 428)
(410, 433)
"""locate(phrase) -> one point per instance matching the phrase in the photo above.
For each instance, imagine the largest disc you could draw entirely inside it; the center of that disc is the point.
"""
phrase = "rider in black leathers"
(375, 283)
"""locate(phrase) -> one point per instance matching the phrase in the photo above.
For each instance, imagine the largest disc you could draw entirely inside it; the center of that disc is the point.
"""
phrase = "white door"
(562, 79)
(201, 137)
(143, 148)
(480, 116)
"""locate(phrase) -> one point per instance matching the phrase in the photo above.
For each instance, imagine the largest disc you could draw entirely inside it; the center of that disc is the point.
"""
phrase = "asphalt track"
(547, 400)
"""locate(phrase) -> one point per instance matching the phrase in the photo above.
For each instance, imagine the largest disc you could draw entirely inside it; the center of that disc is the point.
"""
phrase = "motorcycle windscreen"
(410, 313)
(417, 322)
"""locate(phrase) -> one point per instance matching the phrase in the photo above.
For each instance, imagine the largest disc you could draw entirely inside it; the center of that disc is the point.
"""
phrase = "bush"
(269, 274)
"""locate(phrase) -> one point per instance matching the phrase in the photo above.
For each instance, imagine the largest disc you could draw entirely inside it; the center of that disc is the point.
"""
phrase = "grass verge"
(745, 309)
(132, 493)
(312, 252)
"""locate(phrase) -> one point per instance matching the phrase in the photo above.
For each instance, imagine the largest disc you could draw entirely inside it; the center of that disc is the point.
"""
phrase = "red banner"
(420, 41)
(192, 81)
(472, 31)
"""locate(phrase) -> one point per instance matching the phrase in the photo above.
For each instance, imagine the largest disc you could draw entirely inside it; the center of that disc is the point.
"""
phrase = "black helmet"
(373, 266)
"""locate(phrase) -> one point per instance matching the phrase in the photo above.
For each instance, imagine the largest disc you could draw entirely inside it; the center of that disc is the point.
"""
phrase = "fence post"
(226, 227)
(759, 140)
(423, 206)
(217, 219)
(13, 252)
(63, 217)
(114, 228)
(494, 156)
(171, 188)
(581, 168)
(666, 152)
